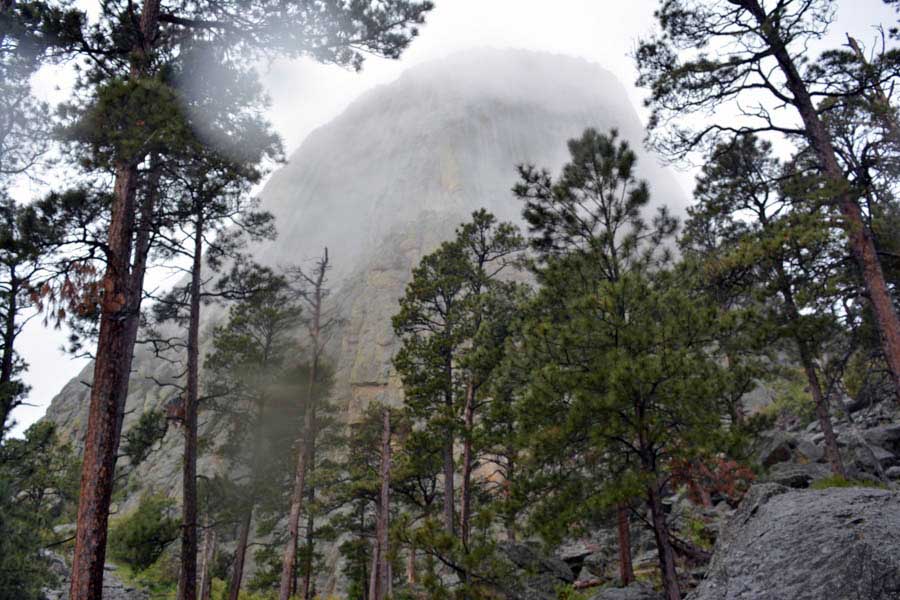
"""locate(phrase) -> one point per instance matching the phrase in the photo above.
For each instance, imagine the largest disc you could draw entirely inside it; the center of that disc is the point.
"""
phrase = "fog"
(305, 95)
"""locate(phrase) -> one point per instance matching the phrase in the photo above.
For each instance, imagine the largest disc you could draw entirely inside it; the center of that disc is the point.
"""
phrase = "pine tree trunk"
(7, 394)
(449, 468)
(411, 574)
(510, 518)
(187, 580)
(626, 570)
(374, 584)
(663, 545)
(119, 320)
(240, 555)
(466, 491)
(209, 552)
(290, 550)
(306, 446)
(310, 539)
(832, 451)
(380, 584)
(861, 242)
(823, 414)
(384, 519)
(122, 288)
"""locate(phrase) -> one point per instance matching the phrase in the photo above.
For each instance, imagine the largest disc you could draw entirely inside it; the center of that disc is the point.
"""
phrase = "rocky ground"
(784, 542)
(113, 586)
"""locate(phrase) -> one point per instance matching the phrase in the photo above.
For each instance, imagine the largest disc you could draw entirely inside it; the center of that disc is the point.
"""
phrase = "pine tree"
(209, 189)
(595, 211)
(313, 293)
(246, 368)
(783, 256)
(763, 38)
(619, 347)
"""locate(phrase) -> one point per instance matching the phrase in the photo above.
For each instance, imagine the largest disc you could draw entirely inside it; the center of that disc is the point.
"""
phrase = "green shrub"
(791, 398)
(139, 539)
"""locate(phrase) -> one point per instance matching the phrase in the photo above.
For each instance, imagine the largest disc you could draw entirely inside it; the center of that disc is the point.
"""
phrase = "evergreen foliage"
(139, 539)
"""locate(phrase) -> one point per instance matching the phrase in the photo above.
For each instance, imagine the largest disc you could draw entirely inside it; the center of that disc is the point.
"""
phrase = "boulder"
(783, 544)
(885, 436)
(776, 447)
(893, 473)
(635, 591)
(807, 451)
(797, 475)
(537, 576)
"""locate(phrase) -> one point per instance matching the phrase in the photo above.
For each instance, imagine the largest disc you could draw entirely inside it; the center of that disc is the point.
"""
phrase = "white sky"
(306, 95)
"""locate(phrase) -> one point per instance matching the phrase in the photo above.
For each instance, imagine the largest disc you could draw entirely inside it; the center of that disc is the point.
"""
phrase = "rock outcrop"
(783, 544)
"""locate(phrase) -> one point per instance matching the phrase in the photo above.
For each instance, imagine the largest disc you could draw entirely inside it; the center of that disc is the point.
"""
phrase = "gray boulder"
(635, 591)
(886, 436)
(797, 475)
(783, 544)
(776, 447)
(536, 576)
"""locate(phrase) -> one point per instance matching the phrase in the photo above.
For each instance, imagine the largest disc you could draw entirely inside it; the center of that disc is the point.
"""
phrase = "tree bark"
(187, 580)
(626, 570)
(411, 574)
(120, 305)
(466, 491)
(823, 414)
(209, 551)
(671, 589)
(310, 539)
(510, 517)
(449, 525)
(289, 560)
(7, 393)
(240, 554)
(860, 239)
(122, 289)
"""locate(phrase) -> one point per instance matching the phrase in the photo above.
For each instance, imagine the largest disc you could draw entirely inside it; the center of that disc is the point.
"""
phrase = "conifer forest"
(450, 300)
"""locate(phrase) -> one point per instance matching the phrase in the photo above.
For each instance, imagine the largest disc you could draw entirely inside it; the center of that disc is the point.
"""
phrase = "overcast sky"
(306, 95)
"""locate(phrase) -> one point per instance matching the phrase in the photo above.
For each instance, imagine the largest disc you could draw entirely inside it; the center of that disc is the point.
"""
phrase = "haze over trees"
(594, 366)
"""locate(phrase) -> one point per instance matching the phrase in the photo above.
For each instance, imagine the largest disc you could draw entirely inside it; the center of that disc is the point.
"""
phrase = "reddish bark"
(122, 287)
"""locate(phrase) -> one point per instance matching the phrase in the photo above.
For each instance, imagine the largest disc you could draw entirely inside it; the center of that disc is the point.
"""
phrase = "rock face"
(781, 544)
(385, 183)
